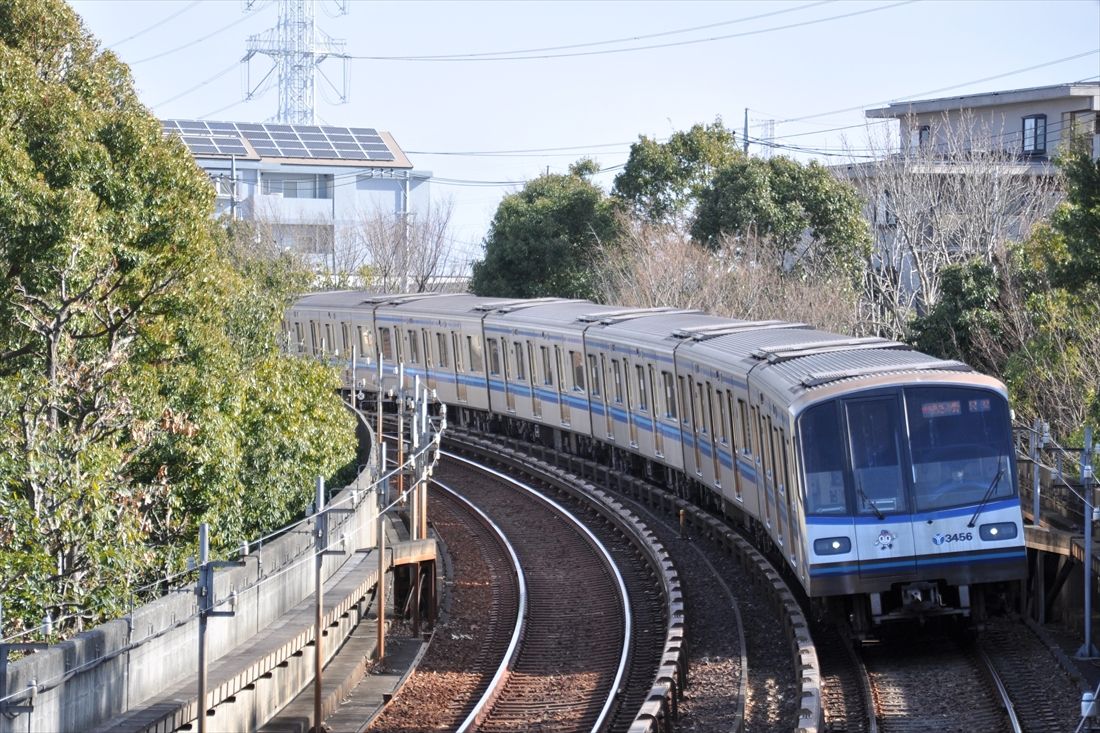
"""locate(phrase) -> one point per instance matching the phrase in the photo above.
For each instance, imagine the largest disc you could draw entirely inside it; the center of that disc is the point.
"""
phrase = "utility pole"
(1087, 650)
(745, 135)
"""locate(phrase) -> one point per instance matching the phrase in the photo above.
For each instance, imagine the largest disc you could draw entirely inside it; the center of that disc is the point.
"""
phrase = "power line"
(154, 26)
(948, 88)
(638, 48)
(450, 57)
(195, 42)
(200, 85)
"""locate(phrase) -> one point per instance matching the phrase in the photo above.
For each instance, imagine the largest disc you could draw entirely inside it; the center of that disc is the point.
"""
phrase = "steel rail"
(624, 597)
(1002, 691)
(521, 612)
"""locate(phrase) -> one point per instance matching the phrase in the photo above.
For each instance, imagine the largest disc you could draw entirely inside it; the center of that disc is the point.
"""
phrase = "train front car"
(910, 494)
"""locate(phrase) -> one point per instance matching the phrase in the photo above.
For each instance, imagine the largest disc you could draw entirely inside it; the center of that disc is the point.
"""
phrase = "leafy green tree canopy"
(784, 201)
(662, 181)
(543, 239)
(1077, 219)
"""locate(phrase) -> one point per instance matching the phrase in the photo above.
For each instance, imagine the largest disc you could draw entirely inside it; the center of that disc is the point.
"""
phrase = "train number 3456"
(940, 539)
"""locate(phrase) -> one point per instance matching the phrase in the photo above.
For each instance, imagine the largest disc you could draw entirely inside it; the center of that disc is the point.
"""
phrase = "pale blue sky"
(597, 104)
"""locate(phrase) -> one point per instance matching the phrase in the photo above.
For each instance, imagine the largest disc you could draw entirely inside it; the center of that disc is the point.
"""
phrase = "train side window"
(723, 419)
(594, 375)
(617, 374)
(473, 345)
(643, 402)
(658, 397)
(494, 356)
(441, 349)
(784, 466)
(414, 347)
(366, 349)
(299, 338)
(329, 344)
(626, 389)
(670, 395)
(345, 338)
(532, 368)
(521, 372)
(457, 353)
(561, 369)
(702, 416)
(685, 401)
(576, 361)
(385, 339)
(746, 437)
(732, 422)
(547, 366)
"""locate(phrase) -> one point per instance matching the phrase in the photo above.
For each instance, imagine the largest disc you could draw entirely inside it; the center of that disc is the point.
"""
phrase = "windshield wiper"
(862, 493)
(988, 493)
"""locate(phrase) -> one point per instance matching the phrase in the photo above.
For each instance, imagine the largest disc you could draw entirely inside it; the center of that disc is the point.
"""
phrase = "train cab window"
(494, 356)
(576, 362)
(643, 402)
(594, 375)
(521, 372)
(385, 340)
(473, 346)
(617, 376)
(961, 446)
(366, 348)
(822, 459)
(441, 349)
(414, 347)
(873, 439)
(670, 395)
(299, 338)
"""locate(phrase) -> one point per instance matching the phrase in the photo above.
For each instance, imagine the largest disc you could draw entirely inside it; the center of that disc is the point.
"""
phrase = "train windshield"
(961, 446)
(855, 454)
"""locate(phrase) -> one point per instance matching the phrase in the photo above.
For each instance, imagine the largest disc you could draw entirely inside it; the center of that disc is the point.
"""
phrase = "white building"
(315, 186)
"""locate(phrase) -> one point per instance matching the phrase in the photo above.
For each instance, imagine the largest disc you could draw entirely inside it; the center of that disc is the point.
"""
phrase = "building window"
(1035, 135)
(924, 136)
(297, 185)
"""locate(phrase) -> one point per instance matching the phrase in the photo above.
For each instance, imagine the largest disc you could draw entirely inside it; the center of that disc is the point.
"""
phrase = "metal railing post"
(1087, 649)
(320, 537)
(202, 591)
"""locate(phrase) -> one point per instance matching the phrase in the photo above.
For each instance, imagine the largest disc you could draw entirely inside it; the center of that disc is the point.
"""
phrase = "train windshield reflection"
(854, 452)
(960, 442)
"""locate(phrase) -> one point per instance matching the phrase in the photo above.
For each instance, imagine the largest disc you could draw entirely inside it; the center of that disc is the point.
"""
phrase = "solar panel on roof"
(278, 140)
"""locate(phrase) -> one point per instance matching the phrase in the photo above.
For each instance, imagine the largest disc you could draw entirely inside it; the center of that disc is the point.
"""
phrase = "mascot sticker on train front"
(885, 540)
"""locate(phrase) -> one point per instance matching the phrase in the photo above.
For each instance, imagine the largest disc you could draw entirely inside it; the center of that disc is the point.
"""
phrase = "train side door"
(532, 371)
(884, 534)
(658, 413)
(607, 399)
(509, 394)
(456, 351)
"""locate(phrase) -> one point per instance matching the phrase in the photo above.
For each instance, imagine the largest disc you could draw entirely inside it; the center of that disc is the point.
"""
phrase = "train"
(881, 478)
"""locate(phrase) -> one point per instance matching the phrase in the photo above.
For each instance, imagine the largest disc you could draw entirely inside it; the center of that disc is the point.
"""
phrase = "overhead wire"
(154, 26)
(195, 42)
(632, 49)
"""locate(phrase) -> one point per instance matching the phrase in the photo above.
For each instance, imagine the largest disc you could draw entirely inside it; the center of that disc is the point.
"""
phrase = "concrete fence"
(78, 684)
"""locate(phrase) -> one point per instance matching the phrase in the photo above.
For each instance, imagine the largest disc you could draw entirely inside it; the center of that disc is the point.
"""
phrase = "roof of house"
(990, 99)
(294, 144)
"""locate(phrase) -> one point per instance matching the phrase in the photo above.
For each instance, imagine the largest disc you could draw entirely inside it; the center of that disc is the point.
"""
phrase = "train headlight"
(999, 531)
(832, 546)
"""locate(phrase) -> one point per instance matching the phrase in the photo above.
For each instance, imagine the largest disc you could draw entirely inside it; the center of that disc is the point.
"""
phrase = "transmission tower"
(297, 47)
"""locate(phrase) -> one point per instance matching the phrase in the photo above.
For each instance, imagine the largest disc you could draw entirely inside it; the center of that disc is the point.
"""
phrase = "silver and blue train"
(884, 478)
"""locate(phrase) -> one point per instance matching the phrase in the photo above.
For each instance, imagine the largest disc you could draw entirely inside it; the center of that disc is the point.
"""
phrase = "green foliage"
(543, 240)
(662, 181)
(782, 200)
(968, 309)
(141, 390)
(1077, 219)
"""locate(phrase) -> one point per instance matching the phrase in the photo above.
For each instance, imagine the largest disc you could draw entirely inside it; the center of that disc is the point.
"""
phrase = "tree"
(963, 199)
(1077, 219)
(812, 219)
(661, 182)
(398, 253)
(543, 239)
(135, 352)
